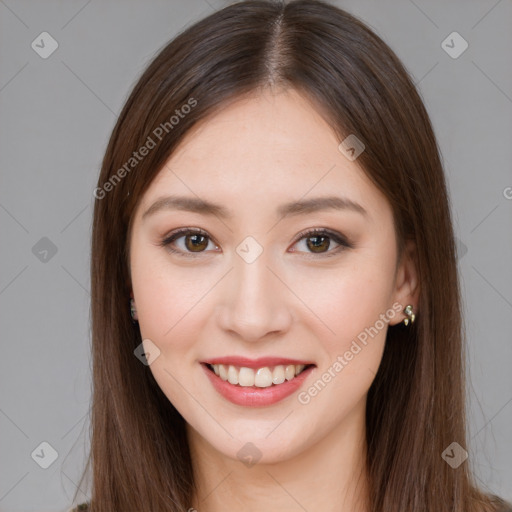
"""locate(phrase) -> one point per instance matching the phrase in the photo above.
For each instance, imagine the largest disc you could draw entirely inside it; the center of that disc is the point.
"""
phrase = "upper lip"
(255, 363)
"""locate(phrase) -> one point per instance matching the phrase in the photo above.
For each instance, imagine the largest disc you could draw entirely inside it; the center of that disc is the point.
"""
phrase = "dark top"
(503, 506)
(82, 507)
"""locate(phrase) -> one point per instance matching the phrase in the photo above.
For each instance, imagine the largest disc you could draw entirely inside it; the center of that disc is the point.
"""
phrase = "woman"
(276, 313)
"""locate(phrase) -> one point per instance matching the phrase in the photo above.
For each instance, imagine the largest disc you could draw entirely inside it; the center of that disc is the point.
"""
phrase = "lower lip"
(254, 396)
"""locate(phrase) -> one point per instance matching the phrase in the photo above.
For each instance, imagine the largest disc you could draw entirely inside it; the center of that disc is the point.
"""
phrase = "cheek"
(167, 297)
(348, 300)
(354, 313)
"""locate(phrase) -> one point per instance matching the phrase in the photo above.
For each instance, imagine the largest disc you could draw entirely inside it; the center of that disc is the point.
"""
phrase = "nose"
(256, 303)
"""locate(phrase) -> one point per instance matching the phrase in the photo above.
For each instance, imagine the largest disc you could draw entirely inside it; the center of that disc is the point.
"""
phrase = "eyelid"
(337, 237)
(180, 231)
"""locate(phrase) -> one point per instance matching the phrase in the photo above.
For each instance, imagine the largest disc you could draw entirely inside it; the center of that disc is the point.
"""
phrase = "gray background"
(56, 116)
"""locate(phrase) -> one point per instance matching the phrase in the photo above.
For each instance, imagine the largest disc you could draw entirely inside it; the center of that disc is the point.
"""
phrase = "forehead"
(263, 150)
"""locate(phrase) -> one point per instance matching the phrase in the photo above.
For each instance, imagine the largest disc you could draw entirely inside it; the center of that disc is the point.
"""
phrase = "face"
(265, 285)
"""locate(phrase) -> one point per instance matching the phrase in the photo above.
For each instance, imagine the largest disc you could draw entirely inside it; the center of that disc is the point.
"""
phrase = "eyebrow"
(301, 207)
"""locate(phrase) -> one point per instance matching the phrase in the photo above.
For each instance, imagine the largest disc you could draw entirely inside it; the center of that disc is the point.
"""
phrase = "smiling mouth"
(264, 377)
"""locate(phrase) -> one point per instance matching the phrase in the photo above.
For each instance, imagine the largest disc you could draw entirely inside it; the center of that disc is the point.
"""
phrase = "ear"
(407, 285)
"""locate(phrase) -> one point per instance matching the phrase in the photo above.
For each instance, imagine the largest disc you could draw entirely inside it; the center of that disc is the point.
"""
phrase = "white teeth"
(232, 375)
(261, 378)
(289, 372)
(223, 372)
(278, 375)
(246, 377)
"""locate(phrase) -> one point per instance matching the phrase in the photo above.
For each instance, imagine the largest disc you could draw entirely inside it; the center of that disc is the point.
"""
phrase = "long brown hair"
(416, 405)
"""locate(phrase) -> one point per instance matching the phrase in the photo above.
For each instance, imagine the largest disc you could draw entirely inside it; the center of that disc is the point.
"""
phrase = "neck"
(329, 476)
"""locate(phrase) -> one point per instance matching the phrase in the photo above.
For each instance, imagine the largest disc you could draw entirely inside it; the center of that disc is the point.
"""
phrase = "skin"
(255, 154)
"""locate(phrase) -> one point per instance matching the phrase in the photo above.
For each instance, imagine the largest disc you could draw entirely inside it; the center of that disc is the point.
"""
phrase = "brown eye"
(320, 241)
(317, 244)
(187, 242)
(196, 243)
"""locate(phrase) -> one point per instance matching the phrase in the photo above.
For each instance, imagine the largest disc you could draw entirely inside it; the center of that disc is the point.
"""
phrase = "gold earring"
(411, 316)
(133, 311)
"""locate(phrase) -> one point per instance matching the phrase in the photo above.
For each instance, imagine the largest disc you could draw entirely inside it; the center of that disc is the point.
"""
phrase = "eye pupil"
(196, 248)
(317, 244)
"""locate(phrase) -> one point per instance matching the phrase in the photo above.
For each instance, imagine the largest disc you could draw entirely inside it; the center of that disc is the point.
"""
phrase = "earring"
(411, 316)
(133, 311)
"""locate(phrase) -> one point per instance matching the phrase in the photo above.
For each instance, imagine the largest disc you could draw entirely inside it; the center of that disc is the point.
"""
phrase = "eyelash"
(336, 237)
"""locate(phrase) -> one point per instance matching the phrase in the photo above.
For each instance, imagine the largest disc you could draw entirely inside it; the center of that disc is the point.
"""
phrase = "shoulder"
(83, 507)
